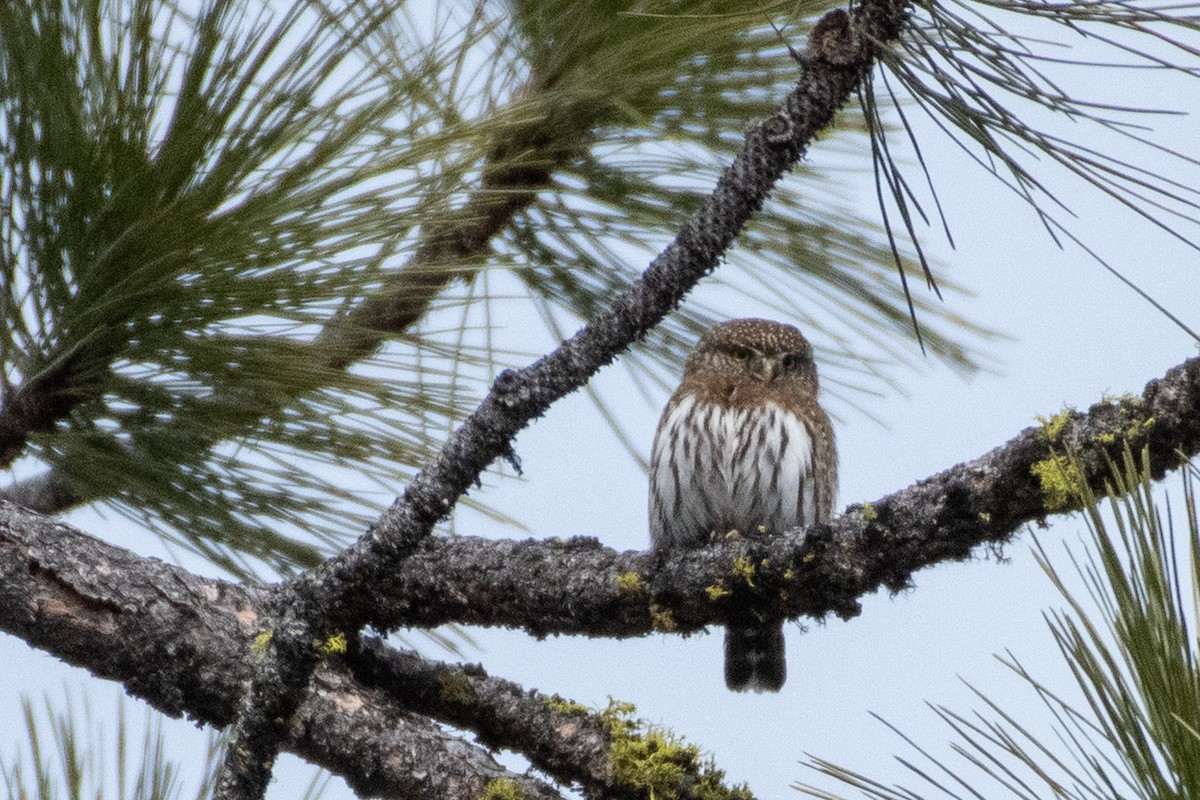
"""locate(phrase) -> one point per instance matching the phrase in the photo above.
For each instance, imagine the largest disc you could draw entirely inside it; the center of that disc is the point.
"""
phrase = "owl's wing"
(689, 487)
(665, 491)
(786, 453)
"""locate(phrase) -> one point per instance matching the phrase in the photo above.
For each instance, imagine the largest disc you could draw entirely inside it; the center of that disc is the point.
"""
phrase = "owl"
(743, 448)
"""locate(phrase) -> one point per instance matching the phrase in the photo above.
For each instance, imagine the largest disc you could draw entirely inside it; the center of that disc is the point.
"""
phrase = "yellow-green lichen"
(630, 582)
(455, 687)
(503, 789)
(789, 574)
(1124, 397)
(657, 763)
(567, 708)
(261, 643)
(661, 619)
(1052, 427)
(869, 513)
(743, 570)
(1059, 478)
(716, 591)
(1127, 406)
(985, 516)
(334, 645)
(1134, 430)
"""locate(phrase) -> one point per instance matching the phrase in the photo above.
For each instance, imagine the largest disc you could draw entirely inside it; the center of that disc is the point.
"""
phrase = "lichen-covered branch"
(383, 750)
(560, 738)
(579, 586)
(184, 643)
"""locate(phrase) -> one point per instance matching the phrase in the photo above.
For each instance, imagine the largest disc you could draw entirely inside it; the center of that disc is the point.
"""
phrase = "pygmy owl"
(743, 446)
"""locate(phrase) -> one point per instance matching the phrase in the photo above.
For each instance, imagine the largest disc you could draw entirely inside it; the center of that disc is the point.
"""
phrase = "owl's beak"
(770, 368)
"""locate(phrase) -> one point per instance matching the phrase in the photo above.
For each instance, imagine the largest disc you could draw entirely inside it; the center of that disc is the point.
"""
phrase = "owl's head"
(754, 352)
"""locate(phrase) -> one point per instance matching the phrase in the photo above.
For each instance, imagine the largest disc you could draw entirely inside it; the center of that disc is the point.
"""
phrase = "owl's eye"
(741, 354)
(791, 361)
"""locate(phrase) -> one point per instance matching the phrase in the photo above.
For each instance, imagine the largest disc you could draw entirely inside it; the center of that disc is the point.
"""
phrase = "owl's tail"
(754, 658)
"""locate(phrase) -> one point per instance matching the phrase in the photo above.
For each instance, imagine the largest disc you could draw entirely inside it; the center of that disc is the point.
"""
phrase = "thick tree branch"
(579, 586)
(184, 644)
(282, 664)
(382, 750)
(197, 646)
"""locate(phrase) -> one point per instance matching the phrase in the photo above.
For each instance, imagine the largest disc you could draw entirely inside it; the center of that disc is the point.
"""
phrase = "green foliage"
(196, 203)
(189, 198)
(72, 766)
(1130, 645)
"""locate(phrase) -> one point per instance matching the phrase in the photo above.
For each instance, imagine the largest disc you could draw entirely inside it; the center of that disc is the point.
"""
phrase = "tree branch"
(182, 642)
(367, 737)
(578, 586)
(573, 747)
(164, 629)
(185, 644)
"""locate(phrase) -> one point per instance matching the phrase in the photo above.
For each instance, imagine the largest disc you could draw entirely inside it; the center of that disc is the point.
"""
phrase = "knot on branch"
(833, 40)
(779, 129)
(509, 389)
